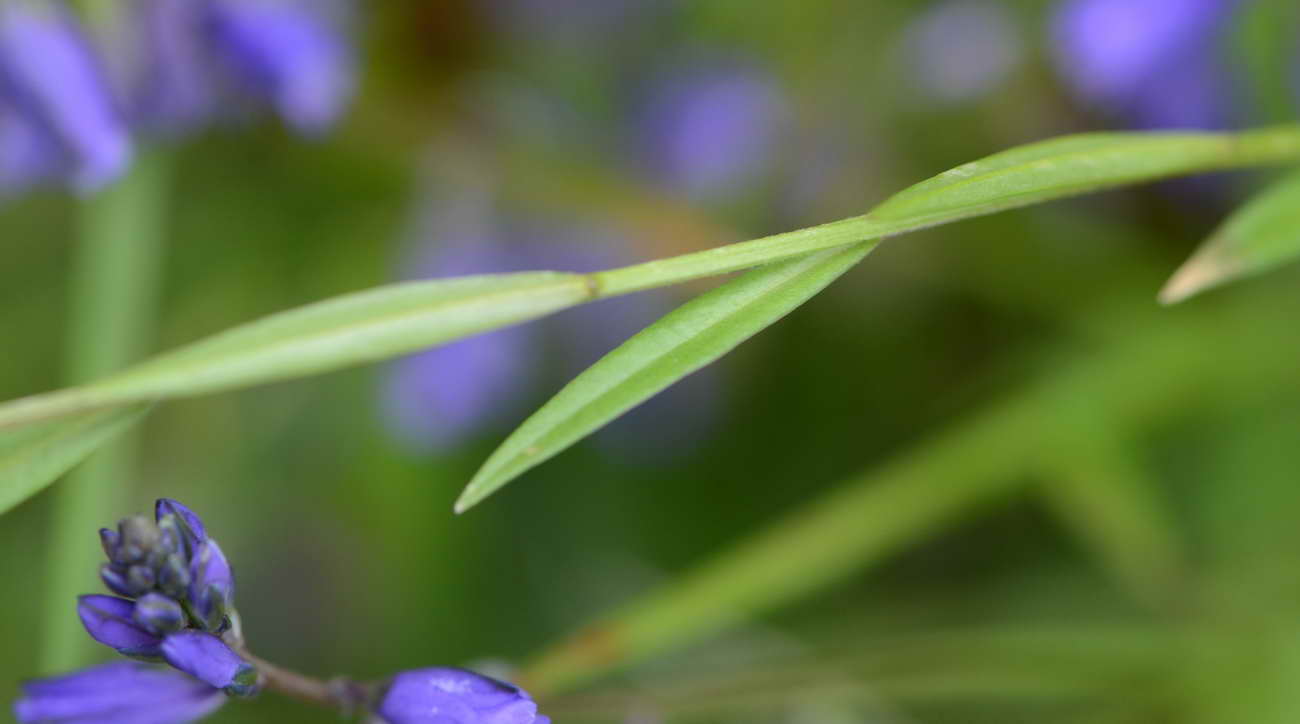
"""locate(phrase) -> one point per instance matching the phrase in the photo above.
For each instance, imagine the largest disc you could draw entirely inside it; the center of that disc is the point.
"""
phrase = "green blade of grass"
(344, 331)
(1261, 235)
(682, 342)
(33, 457)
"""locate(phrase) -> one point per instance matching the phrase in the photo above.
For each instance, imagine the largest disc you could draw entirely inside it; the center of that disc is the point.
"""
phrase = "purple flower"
(287, 53)
(117, 693)
(205, 55)
(59, 117)
(208, 659)
(1153, 62)
(111, 621)
(188, 522)
(212, 585)
(455, 696)
(158, 614)
(960, 49)
(709, 131)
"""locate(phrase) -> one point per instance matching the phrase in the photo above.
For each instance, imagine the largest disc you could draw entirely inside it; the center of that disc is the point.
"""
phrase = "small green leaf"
(685, 340)
(330, 335)
(1257, 237)
(1077, 164)
(35, 456)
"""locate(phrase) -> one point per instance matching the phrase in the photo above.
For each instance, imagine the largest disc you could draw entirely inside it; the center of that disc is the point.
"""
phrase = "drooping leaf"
(348, 330)
(682, 342)
(1259, 236)
(33, 457)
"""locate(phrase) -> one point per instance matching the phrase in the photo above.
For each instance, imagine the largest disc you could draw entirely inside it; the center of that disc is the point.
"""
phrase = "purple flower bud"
(111, 541)
(209, 659)
(212, 585)
(158, 614)
(189, 524)
(455, 696)
(707, 131)
(1153, 61)
(140, 579)
(49, 74)
(111, 622)
(287, 52)
(115, 580)
(121, 692)
(174, 576)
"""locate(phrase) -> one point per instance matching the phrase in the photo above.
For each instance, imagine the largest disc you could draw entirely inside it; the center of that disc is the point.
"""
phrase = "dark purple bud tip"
(455, 696)
(187, 522)
(208, 659)
(158, 614)
(111, 621)
(115, 580)
(212, 585)
(111, 541)
(122, 692)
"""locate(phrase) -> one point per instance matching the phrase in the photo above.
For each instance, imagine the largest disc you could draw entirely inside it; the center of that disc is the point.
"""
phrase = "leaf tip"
(1206, 268)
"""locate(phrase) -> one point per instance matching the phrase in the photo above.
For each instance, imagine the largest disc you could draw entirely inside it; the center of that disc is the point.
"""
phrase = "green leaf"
(685, 340)
(35, 456)
(330, 335)
(1078, 164)
(1263, 234)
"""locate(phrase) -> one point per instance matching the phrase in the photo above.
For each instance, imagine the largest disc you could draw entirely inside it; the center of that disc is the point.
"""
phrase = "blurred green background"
(1140, 566)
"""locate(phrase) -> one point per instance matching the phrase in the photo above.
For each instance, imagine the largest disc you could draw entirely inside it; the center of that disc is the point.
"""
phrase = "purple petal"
(117, 693)
(212, 584)
(191, 524)
(114, 580)
(287, 52)
(454, 696)
(48, 68)
(1119, 54)
(110, 621)
(707, 131)
(209, 659)
(29, 154)
(176, 87)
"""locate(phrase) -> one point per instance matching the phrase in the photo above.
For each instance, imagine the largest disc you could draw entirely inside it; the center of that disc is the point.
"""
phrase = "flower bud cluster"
(177, 598)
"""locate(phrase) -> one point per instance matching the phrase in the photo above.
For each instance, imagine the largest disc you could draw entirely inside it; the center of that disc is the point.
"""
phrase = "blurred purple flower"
(960, 49)
(1156, 63)
(58, 114)
(117, 693)
(202, 54)
(455, 696)
(709, 130)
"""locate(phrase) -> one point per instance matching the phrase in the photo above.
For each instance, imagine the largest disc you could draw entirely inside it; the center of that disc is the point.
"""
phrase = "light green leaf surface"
(33, 457)
(682, 342)
(1078, 164)
(348, 330)
(1259, 236)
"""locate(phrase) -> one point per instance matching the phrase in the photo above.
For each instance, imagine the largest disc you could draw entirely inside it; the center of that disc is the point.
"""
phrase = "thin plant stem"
(112, 292)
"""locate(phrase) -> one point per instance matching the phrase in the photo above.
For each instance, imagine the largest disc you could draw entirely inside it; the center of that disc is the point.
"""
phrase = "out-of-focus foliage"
(1006, 485)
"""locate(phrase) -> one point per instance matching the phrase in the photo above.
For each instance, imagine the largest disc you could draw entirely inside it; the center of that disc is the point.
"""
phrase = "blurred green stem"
(112, 293)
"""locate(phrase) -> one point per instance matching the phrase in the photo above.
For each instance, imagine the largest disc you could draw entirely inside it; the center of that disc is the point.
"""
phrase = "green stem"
(112, 296)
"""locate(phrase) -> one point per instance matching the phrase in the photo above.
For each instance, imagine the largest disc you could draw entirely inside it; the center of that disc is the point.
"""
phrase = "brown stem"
(342, 695)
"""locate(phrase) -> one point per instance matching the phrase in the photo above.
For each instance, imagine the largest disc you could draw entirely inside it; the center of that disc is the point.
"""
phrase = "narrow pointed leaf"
(330, 335)
(1079, 164)
(682, 342)
(33, 457)
(1259, 236)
